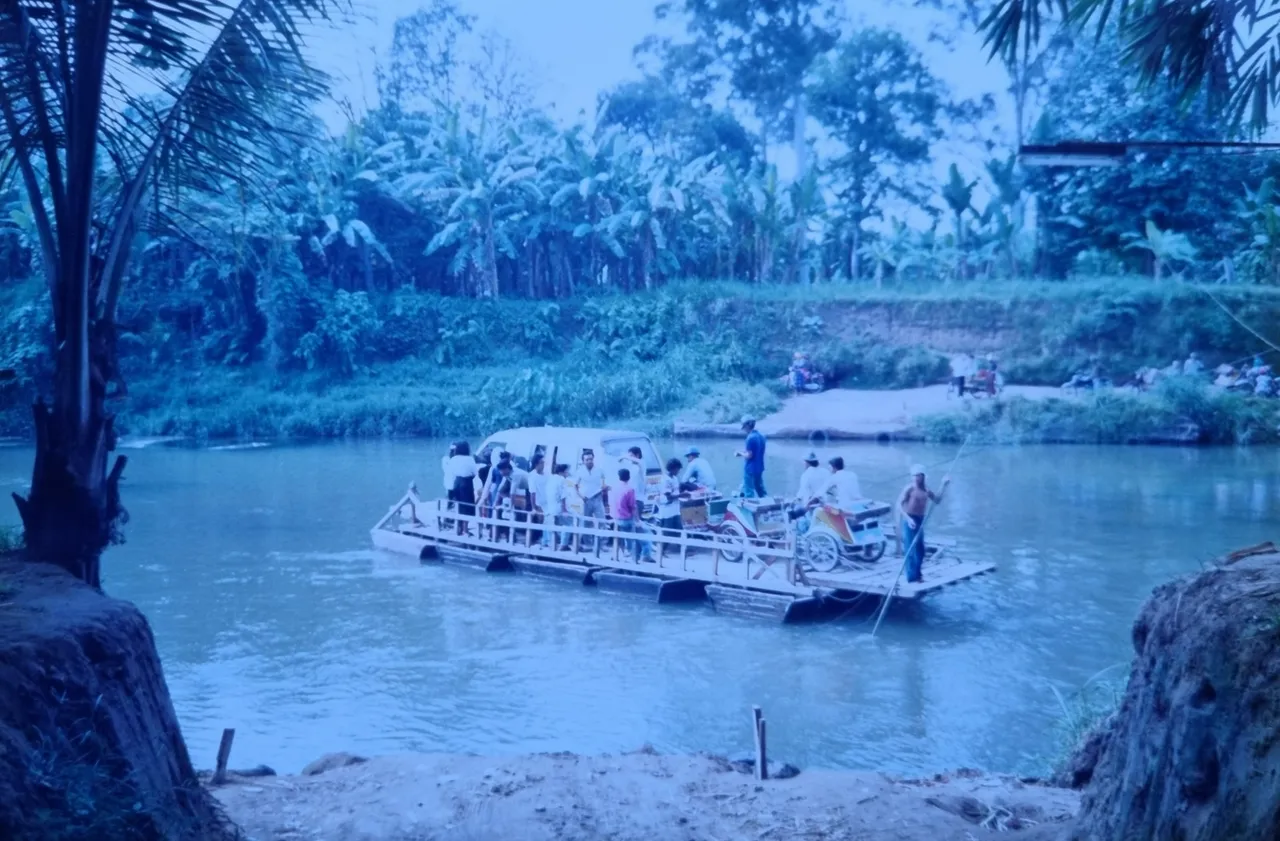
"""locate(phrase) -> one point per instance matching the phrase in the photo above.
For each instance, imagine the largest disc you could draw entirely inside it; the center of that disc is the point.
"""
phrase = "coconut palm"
(1226, 48)
(165, 93)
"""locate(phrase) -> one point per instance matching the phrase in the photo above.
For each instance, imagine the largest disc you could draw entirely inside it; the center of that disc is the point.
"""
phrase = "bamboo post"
(756, 718)
(224, 754)
(762, 755)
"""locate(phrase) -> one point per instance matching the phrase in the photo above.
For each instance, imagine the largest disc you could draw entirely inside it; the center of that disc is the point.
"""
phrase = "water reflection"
(275, 616)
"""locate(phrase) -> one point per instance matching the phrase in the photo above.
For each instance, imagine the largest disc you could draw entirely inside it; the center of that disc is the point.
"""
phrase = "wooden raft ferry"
(768, 582)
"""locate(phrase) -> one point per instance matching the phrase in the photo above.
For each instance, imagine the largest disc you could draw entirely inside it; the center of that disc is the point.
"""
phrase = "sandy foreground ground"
(636, 797)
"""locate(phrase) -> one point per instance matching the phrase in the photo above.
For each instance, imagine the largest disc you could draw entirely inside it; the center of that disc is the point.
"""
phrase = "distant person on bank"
(752, 455)
(914, 504)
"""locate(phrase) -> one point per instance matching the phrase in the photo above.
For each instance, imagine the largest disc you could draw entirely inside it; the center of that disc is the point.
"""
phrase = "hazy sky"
(580, 47)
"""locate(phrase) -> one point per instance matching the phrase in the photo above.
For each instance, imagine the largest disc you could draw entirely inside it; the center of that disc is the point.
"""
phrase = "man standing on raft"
(914, 504)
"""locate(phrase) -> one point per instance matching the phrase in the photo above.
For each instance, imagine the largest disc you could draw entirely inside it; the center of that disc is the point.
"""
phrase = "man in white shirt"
(843, 487)
(557, 504)
(589, 482)
(813, 481)
(538, 493)
(669, 499)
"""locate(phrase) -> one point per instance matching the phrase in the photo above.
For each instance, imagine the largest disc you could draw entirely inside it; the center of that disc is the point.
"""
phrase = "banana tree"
(1167, 248)
(1260, 215)
(479, 183)
(215, 64)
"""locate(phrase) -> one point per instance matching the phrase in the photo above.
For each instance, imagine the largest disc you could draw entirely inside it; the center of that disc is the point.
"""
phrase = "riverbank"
(1178, 413)
(859, 415)
(705, 353)
(635, 797)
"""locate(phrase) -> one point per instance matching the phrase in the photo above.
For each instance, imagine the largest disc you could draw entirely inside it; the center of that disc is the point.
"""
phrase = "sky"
(581, 47)
(578, 48)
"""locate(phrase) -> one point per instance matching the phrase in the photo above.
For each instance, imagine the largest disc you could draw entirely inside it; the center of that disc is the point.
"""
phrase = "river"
(275, 616)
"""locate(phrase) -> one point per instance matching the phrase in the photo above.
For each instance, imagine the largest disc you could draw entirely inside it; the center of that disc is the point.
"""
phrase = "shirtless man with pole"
(914, 504)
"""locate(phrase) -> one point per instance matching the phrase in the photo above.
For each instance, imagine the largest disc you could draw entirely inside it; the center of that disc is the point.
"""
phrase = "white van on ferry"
(564, 445)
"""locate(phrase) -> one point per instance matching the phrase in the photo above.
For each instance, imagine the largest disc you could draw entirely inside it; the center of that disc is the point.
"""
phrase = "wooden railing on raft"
(510, 530)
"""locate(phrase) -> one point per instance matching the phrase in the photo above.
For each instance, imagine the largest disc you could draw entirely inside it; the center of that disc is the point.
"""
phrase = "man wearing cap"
(813, 482)
(697, 472)
(914, 504)
(752, 455)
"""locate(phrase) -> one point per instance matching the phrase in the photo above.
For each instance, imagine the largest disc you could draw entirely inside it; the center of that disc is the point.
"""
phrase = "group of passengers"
(541, 498)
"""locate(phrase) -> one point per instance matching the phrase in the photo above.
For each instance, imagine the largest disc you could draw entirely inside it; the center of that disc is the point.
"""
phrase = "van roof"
(568, 430)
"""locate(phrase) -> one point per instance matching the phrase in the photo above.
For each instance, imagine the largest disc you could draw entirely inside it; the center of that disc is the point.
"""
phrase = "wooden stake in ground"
(757, 726)
(224, 754)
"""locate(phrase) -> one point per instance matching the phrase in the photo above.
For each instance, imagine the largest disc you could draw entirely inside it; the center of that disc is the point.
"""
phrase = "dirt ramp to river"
(90, 748)
(1194, 751)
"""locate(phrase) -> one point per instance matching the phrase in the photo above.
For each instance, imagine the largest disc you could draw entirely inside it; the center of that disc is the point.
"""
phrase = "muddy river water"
(274, 614)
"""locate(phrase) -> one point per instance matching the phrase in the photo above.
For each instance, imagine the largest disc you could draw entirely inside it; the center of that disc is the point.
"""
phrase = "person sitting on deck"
(914, 505)
(843, 489)
(813, 486)
(697, 473)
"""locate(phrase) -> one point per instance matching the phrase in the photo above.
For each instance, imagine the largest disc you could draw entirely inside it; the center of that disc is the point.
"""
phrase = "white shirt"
(814, 482)
(590, 482)
(630, 464)
(557, 496)
(538, 484)
(670, 485)
(844, 489)
(458, 467)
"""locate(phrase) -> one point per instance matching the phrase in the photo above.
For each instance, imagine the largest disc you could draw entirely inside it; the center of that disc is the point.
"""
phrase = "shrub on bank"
(1176, 412)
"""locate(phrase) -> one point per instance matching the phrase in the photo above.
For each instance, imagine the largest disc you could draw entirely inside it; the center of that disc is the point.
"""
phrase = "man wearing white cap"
(914, 504)
(814, 482)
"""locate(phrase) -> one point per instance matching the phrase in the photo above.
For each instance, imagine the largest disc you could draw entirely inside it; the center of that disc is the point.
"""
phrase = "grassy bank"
(413, 364)
(1171, 413)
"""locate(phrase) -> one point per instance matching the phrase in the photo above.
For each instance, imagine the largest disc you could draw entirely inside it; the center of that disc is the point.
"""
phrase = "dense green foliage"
(456, 259)
(421, 364)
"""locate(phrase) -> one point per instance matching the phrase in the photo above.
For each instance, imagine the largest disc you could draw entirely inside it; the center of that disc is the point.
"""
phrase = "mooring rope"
(919, 534)
(1233, 316)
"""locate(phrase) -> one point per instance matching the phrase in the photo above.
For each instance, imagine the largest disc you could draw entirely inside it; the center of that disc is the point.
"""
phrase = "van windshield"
(616, 448)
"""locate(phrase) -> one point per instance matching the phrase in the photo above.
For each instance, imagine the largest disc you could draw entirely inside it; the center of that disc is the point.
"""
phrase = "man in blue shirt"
(753, 460)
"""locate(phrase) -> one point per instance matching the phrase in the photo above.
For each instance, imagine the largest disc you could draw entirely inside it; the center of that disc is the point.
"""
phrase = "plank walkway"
(767, 573)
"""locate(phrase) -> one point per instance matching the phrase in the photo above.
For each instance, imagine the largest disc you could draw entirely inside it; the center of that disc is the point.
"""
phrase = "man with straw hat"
(914, 504)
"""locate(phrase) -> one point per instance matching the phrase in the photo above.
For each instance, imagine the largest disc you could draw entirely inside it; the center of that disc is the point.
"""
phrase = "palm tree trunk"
(855, 254)
(69, 516)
